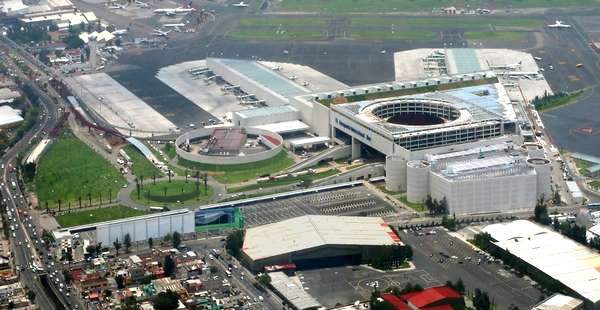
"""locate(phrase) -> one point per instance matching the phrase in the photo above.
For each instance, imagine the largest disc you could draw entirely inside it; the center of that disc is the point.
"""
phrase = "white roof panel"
(574, 265)
(308, 141)
(312, 231)
(285, 127)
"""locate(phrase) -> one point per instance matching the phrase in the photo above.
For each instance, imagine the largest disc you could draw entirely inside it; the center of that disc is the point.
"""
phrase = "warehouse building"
(316, 241)
(575, 266)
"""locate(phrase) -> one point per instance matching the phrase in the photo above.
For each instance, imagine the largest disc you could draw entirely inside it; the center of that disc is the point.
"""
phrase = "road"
(31, 258)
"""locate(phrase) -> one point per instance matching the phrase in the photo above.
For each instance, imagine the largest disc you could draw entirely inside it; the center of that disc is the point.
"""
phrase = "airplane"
(120, 32)
(507, 66)
(242, 4)
(171, 12)
(160, 33)
(142, 4)
(559, 24)
(176, 27)
(117, 6)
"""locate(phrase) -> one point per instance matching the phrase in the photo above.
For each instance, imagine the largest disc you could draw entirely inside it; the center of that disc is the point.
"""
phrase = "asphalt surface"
(574, 127)
(25, 242)
(345, 285)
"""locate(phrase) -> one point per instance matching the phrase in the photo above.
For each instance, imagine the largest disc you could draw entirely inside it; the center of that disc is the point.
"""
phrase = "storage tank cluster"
(543, 171)
(417, 171)
(395, 173)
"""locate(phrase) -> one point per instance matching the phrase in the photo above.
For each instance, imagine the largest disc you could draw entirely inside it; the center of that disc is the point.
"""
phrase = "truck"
(14, 185)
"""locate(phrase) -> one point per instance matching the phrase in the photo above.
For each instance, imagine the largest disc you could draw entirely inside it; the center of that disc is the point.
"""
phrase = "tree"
(176, 239)
(107, 293)
(28, 171)
(541, 212)
(117, 246)
(127, 242)
(459, 286)
(120, 281)
(481, 300)
(150, 242)
(169, 266)
(166, 301)
(556, 199)
(31, 295)
(67, 276)
(234, 243)
(264, 280)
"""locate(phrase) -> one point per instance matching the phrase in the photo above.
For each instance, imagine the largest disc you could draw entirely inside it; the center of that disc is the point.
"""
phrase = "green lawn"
(298, 21)
(169, 150)
(142, 167)
(419, 207)
(504, 36)
(583, 166)
(275, 34)
(341, 6)
(244, 172)
(177, 190)
(70, 169)
(595, 184)
(463, 22)
(380, 35)
(77, 218)
(556, 101)
(286, 181)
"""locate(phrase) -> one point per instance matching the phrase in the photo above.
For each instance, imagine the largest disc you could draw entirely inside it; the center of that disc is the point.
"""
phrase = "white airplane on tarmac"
(559, 24)
(141, 4)
(120, 32)
(176, 27)
(242, 4)
(170, 12)
(117, 6)
(160, 33)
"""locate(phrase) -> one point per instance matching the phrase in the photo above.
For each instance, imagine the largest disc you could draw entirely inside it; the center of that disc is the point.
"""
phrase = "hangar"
(316, 240)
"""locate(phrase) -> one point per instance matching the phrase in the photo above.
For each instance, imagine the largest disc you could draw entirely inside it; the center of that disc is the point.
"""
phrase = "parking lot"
(355, 201)
(345, 285)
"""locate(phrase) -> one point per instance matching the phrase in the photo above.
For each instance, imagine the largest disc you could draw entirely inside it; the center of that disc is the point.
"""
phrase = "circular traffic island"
(174, 194)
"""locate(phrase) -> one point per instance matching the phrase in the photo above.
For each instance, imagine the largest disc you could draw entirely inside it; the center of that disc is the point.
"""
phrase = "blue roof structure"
(265, 77)
(466, 60)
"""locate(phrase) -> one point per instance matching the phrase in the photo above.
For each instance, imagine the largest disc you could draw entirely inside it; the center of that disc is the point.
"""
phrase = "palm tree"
(117, 245)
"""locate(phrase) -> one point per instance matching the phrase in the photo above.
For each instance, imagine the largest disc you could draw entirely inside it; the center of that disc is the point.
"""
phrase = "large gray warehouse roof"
(311, 231)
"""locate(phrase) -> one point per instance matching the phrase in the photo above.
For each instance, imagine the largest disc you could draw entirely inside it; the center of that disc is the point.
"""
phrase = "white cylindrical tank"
(417, 180)
(533, 150)
(543, 171)
(395, 173)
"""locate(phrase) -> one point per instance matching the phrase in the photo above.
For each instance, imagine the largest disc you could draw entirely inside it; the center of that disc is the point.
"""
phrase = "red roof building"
(434, 298)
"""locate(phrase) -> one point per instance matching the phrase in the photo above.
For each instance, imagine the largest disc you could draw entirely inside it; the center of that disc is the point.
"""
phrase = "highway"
(26, 242)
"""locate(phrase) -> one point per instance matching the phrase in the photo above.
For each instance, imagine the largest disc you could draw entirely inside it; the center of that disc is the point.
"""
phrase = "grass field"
(178, 193)
(97, 215)
(556, 101)
(244, 172)
(451, 23)
(286, 181)
(302, 21)
(583, 166)
(142, 167)
(70, 169)
(341, 6)
(419, 207)
(504, 36)
(275, 34)
(380, 35)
